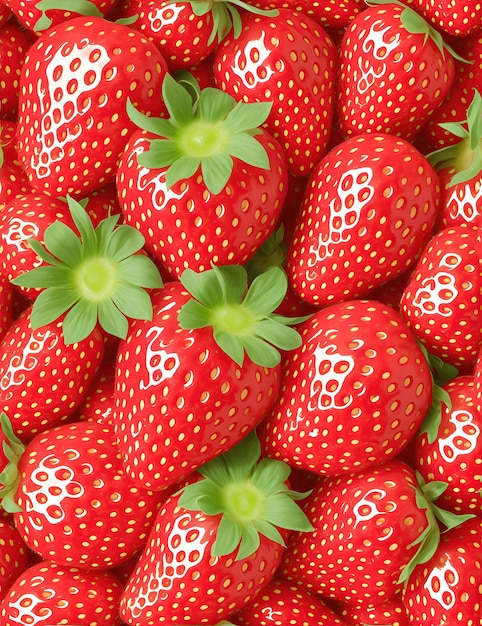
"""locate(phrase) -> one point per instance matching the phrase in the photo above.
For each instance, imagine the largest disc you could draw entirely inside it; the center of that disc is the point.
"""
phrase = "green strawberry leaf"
(250, 494)
(82, 7)
(99, 277)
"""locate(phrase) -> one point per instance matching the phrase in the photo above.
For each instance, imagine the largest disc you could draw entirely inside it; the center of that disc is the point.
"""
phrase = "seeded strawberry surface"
(240, 304)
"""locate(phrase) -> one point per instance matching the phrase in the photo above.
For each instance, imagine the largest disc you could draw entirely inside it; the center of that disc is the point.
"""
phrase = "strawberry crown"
(13, 449)
(429, 539)
(226, 16)
(81, 7)
(251, 495)
(271, 253)
(100, 277)
(207, 134)
(465, 155)
(241, 317)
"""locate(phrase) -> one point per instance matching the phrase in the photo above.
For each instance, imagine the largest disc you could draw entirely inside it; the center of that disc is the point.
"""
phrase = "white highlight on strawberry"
(375, 44)
(465, 431)
(26, 605)
(19, 232)
(462, 203)
(163, 16)
(157, 359)
(250, 60)
(367, 509)
(354, 192)
(441, 583)
(21, 365)
(436, 292)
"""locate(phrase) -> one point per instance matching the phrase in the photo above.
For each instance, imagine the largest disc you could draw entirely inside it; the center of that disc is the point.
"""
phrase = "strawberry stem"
(205, 134)
(251, 495)
(99, 277)
(81, 7)
(13, 449)
(242, 318)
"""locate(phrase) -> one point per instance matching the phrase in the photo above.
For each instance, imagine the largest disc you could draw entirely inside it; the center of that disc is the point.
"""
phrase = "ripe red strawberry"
(442, 302)
(217, 544)
(48, 593)
(291, 61)
(394, 71)
(330, 14)
(6, 305)
(13, 557)
(14, 43)
(43, 379)
(13, 180)
(192, 382)
(449, 450)
(72, 501)
(5, 13)
(446, 589)
(281, 602)
(369, 207)
(212, 156)
(98, 405)
(388, 613)
(450, 17)
(75, 83)
(371, 529)
(352, 395)
(40, 15)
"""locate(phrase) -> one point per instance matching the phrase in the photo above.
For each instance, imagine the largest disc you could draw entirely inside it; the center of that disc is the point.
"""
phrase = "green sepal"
(82, 7)
(241, 315)
(100, 277)
(206, 130)
(13, 448)
(272, 252)
(250, 494)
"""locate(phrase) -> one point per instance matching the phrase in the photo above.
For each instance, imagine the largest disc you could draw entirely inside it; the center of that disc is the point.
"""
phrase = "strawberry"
(14, 43)
(42, 379)
(71, 500)
(205, 371)
(395, 70)
(6, 305)
(371, 529)
(369, 207)
(13, 180)
(212, 156)
(98, 405)
(5, 13)
(442, 302)
(74, 86)
(350, 397)
(459, 167)
(448, 451)
(330, 14)
(290, 60)
(13, 557)
(449, 17)
(48, 593)
(217, 542)
(446, 589)
(388, 613)
(282, 602)
(42, 14)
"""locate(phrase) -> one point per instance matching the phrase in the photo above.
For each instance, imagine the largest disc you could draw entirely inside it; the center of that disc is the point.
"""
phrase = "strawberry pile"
(240, 313)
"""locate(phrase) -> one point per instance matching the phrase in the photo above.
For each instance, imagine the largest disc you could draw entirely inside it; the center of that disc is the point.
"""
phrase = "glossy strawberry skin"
(461, 202)
(14, 44)
(13, 180)
(454, 456)
(13, 557)
(442, 302)
(352, 395)
(88, 515)
(369, 206)
(450, 18)
(294, 66)
(364, 526)
(177, 560)
(187, 226)
(48, 592)
(446, 589)
(85, 69)
(183, 401)
(42, 380)
(390, 80)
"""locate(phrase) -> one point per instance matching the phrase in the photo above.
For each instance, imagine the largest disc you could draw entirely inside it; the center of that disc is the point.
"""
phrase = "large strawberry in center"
(74, 86)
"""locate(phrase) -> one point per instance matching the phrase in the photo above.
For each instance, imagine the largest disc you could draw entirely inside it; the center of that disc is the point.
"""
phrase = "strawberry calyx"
(204, 134)
(251, 495)
(81, 7)
(271, 253)
(13, 449)
(429, 539)
(100, 277)
(226, 16)
(241, 317)
(464, 156)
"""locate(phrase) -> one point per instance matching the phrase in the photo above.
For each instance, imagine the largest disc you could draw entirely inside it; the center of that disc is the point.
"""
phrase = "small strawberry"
(71, 500)
(197, 185)
(192, 382)
(291, 61)
(369, 207)
(446, 588)
(74, 87)
(371, 530)
(14, 43)
(48, 593)
(216, 543)
(13, 557)
(449, 450)
(442, 302)
(394, 71)
(450, 17)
